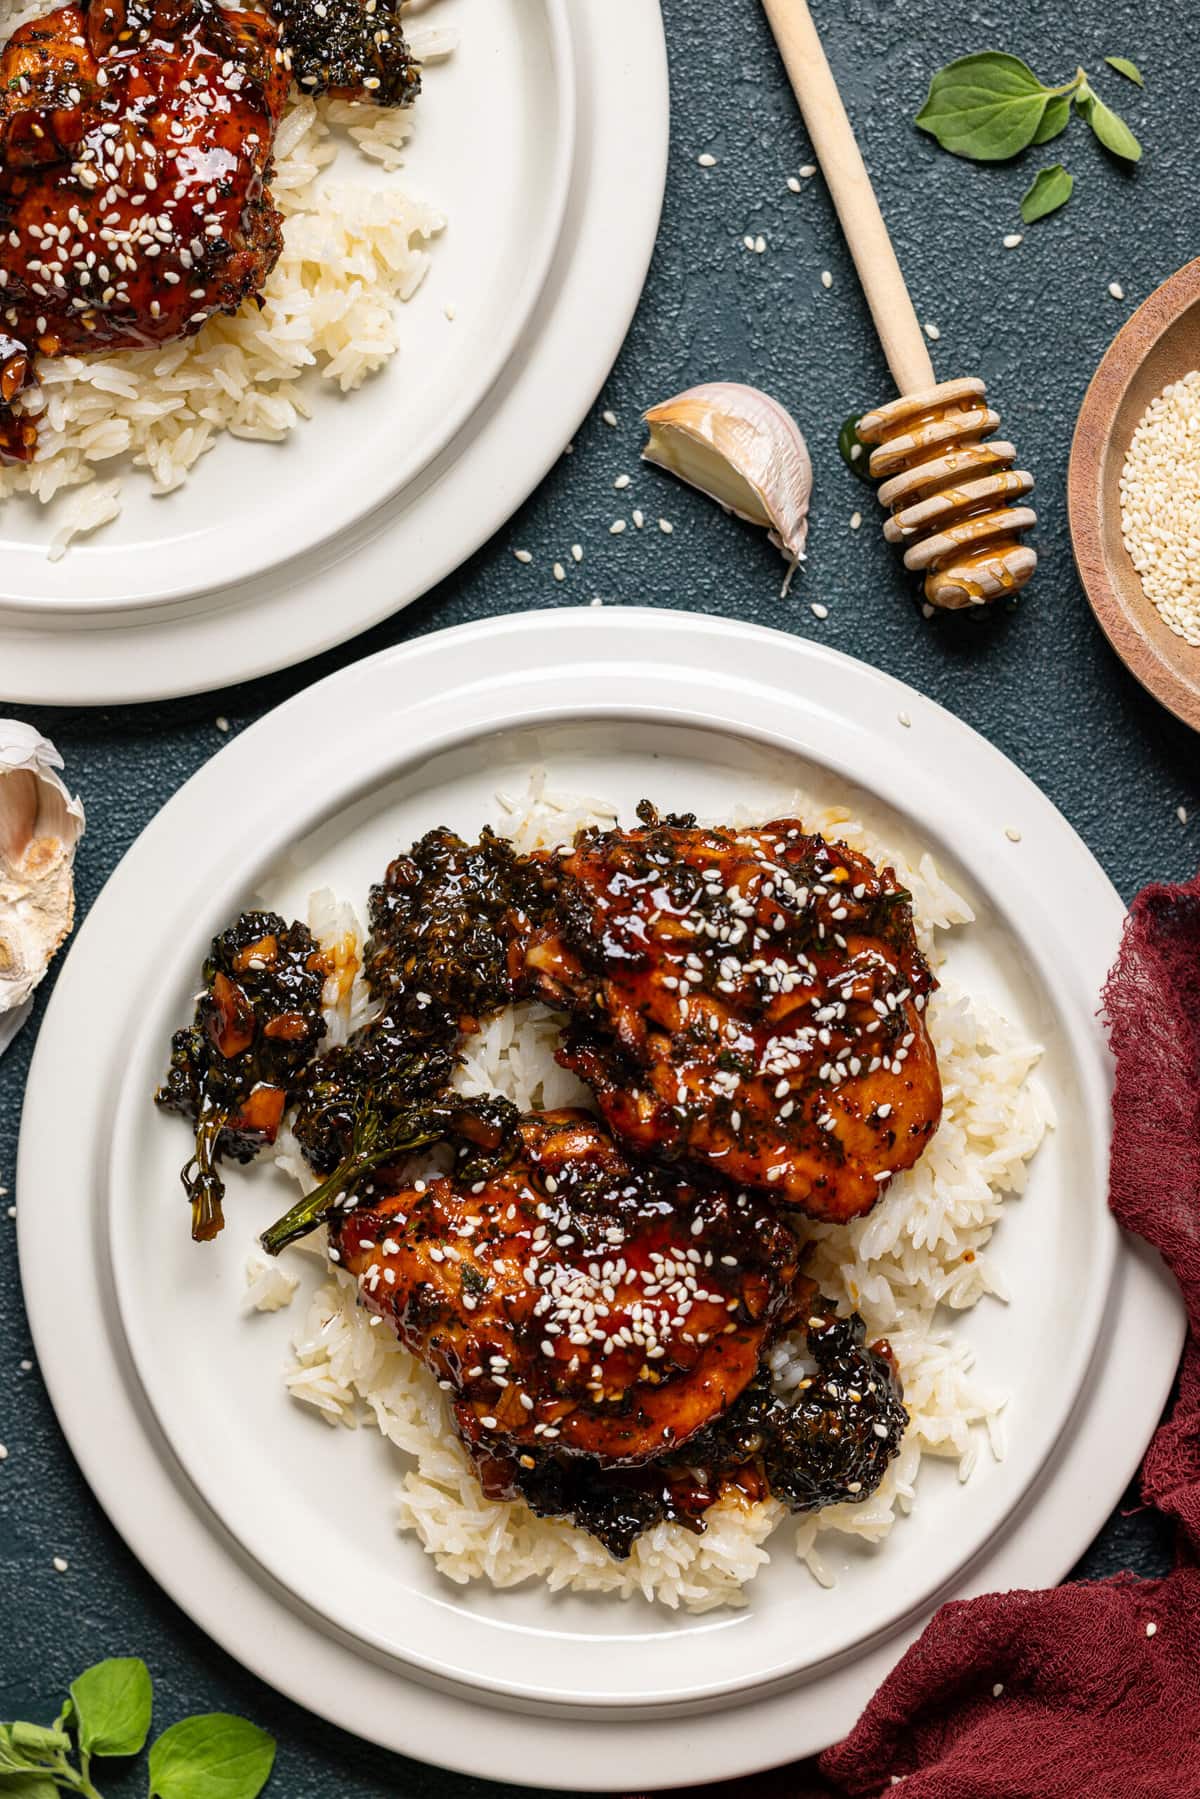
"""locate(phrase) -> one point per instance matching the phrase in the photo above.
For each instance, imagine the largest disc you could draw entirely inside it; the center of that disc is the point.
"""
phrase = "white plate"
(547, 148)
(694, 711)
(248, 507)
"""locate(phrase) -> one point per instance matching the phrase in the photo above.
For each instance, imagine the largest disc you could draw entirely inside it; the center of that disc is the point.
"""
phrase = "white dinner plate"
(544, 140)
(697, 713)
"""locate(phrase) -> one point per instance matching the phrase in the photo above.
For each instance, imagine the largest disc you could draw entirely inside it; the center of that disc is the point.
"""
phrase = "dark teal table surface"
(1039, 680)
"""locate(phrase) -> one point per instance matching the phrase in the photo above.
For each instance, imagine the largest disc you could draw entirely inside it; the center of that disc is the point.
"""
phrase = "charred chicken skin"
(748, 1003)
(602, 1328)
(135, 144)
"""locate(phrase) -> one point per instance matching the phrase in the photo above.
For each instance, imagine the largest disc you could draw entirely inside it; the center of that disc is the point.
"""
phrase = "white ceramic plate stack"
(275, 1533)
(543, 139)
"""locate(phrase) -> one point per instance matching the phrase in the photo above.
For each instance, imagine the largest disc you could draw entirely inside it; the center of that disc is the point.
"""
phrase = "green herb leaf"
(1051, 189)
(26, 1783)
(988, 106)
(1123, 66)
(113, 1702)
(37, 1739)
(214, 1756)
(1055, 119)
(1111, 129)
(854, 452)
(8, 1757)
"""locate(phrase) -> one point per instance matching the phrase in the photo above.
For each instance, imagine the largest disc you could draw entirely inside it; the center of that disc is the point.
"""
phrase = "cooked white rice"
(351, 252)
(907, 1267)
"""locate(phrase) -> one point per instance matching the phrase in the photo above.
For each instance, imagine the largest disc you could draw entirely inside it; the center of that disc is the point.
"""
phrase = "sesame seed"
(904, 719)
(997, 1689)
(622, 481)
(1181, 814)
(576, 552)
(560, 573)
(665, 526)
(760, 244)
(1116, 290)
(222, 723)
(1013, 239)
(707, 160)
(616, 528)
(855, 520)
(639, 518)
(3, 1453)
(1152, 1629)
(1013, 835)
(808, 171)
(451, 311)
(523, 555)
(819, 611)
(931, 331)
(609, 417)
(826, 278)
(793, 184)
(61, 1564)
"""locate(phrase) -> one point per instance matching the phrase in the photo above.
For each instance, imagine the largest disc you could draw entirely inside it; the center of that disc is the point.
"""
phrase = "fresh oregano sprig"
(212, 1756)
(991, 106)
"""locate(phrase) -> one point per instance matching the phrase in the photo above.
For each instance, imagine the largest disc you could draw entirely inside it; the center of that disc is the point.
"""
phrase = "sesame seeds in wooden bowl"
(1159, 345)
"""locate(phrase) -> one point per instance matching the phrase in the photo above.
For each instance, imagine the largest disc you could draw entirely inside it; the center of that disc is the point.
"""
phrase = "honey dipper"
(950, 494)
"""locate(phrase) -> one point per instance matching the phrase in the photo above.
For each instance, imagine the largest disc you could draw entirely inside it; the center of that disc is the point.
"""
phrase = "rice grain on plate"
(907, 1267)
(351, 253)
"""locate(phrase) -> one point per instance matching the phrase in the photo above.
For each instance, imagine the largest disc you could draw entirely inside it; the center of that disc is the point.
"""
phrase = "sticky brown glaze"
(751, 1002)
(575, 1300)
(135, 142)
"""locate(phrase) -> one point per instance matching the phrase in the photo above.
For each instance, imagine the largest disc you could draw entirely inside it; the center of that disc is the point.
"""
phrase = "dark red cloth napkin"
(1091, 1690)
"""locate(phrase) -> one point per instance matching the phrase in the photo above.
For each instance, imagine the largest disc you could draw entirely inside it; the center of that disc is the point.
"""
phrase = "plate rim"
(352, 583)
(658, 1752)
(385, 763)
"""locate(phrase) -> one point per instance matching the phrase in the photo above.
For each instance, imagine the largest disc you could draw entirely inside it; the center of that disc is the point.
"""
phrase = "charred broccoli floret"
(831, 1439)
(440, 928)
(354, 48)
(233, 1069)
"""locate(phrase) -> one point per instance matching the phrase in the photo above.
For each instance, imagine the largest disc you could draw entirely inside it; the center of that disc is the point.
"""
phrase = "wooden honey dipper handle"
(952, 496)
(846, 177)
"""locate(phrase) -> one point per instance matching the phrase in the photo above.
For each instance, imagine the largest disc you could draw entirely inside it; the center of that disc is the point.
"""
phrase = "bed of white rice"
(908, 1267)
(351, 252)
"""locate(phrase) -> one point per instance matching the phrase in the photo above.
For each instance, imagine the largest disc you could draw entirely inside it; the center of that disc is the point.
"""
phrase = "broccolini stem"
(202, 1184)
(429, 1127)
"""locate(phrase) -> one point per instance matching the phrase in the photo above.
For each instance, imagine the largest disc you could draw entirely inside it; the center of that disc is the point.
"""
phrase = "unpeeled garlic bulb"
(40, 824)
(742, 449)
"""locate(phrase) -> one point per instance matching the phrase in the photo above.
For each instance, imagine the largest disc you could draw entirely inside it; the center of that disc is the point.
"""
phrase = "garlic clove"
(40, 824)
(742, 449)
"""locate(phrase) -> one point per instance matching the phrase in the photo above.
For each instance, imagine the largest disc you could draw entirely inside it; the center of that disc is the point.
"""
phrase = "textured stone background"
(1040, 681)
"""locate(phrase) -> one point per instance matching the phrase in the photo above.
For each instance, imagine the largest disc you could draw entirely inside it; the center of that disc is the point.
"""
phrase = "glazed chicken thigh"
(135, 143)
(567, 1299)
(603, 1329)
(744, 1002)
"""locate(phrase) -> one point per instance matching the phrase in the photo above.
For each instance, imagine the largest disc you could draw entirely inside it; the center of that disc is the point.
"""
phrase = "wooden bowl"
(1159, 343)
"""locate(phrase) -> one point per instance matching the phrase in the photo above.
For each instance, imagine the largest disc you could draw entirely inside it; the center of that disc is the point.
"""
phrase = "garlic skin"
(742, 449)
(40, 824)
